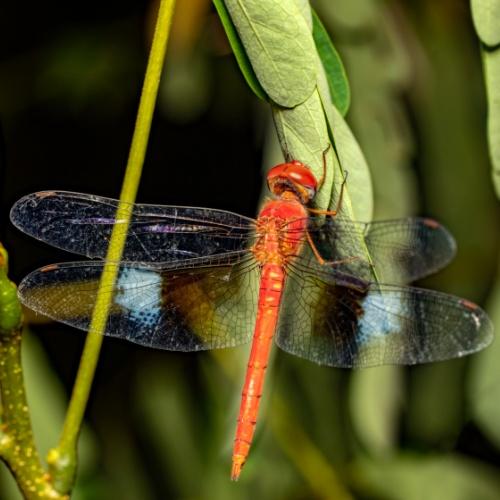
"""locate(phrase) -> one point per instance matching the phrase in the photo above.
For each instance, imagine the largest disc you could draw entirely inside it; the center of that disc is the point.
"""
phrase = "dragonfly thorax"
(281, 228)
(292, 179)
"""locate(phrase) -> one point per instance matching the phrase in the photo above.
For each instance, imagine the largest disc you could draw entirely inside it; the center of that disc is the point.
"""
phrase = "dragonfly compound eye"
(292, 177)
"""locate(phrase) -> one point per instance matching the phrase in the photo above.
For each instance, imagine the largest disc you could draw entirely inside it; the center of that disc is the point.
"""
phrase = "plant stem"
(62, 460)
(17, 446)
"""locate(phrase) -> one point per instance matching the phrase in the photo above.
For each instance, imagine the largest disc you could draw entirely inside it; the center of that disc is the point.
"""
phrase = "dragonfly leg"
(324, 262)
(347, 260)
(332, 213)
(322, 179)
(314, 249)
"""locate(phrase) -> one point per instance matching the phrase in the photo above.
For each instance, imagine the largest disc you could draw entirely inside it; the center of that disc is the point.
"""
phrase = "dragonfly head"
(292, 177)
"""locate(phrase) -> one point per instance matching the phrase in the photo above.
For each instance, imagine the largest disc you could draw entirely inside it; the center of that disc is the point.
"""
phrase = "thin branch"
(17, 446)
(63, 459)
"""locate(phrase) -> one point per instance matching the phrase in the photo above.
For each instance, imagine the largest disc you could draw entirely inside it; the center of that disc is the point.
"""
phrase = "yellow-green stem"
(17, 445)
(62, 460)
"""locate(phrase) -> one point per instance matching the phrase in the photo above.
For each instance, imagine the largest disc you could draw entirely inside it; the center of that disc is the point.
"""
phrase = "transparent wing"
(82, 224)
(207, 304)
(402, 250)
(337, 320)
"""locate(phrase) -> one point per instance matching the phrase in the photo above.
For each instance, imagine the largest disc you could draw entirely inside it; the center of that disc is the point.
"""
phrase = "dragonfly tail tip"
(236, 470)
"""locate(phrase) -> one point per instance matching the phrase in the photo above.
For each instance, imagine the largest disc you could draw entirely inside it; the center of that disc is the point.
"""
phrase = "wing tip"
(22, 211)
(437, 226)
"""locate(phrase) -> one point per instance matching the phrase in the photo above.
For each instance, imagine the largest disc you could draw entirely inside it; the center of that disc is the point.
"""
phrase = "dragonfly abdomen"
(270, 291)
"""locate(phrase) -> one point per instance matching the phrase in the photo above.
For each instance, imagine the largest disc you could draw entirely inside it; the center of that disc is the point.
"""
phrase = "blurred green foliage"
(160, 424)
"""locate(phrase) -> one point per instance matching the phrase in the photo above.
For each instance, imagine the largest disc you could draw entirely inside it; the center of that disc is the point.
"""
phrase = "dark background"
(160, 425)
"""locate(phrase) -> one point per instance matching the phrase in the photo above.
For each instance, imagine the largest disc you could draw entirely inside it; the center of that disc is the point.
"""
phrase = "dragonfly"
(192, 279)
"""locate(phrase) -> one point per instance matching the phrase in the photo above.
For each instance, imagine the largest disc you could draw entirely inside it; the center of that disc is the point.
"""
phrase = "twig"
(63, 459)
(17, 446)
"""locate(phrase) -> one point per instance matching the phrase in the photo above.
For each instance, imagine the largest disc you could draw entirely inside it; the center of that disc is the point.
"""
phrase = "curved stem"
(62, 460)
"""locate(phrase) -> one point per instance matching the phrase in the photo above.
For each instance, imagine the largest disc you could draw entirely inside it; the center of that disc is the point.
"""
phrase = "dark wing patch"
(181, 308)
(334, 322)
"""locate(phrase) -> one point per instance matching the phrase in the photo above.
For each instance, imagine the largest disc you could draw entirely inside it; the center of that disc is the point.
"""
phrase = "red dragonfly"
(195, 278)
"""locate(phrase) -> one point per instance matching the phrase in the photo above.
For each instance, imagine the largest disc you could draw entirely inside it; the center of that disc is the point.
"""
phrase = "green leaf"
(486, 17)
(303, 135)
(491, 61)
(280, 46)
(305, 10)
(239, 50)
(359, 202)
(377, 114)
(410, 477)
(352, 160)
(334, 68)
(484, 386)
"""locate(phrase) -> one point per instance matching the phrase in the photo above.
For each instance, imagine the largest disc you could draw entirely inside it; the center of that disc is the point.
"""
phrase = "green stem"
(17, 445)
(62, 460)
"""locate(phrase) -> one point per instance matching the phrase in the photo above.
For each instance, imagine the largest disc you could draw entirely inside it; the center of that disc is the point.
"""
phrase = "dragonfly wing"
(401, 250)
(338, 323)
(183, 308)
(82, 224)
